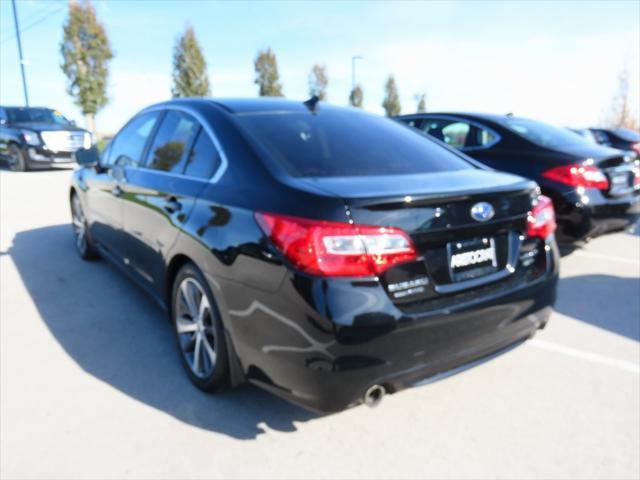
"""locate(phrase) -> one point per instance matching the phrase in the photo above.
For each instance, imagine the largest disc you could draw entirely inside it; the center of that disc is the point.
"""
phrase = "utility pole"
(24, 79)
(353, 70)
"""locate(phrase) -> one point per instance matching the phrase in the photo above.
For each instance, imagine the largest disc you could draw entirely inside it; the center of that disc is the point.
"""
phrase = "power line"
(43, 6)
(35, 22)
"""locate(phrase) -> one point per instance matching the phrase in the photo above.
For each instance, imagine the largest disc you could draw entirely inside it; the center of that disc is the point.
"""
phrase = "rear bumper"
(327, 388)
(322, 344)
(579, 220)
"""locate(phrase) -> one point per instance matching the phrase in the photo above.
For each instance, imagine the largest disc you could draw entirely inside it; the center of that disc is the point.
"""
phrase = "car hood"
(49, 127)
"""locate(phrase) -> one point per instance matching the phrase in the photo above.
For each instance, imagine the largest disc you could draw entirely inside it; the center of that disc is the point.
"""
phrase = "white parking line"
(588, 356)
(610, 258)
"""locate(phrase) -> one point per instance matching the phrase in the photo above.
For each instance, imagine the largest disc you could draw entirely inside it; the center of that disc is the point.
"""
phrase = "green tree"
(391, 102)
(318, 81)
(422, 102)
(85, 54)
(267, 76)
(189, 67)
(356, 97)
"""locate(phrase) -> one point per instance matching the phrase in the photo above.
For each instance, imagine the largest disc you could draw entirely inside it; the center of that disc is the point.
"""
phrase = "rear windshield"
(336, 142)
(627, 134)
(544, 134)
(35, 115)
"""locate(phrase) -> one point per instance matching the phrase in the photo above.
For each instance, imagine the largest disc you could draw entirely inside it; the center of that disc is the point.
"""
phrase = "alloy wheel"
(79, 224)
(195, 327)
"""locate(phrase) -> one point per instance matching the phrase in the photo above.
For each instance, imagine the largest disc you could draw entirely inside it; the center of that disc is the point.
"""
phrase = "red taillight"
(636, 147)
(636, 175)
(542, 219)
(578, 176)
(336, 249)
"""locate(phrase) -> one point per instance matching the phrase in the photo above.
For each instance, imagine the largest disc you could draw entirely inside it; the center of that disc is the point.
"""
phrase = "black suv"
(327, 254)
(33, 137)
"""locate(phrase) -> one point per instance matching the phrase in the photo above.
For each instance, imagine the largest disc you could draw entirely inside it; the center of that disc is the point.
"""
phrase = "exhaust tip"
(374, 395)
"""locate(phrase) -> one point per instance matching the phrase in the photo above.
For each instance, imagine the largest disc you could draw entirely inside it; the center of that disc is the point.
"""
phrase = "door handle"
(172, 205)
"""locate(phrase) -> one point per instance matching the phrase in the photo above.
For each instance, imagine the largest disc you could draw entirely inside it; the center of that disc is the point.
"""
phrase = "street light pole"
(353, 71)
(24, 79)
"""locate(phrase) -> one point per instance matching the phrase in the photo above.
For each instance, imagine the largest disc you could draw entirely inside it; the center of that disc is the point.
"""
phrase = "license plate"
(472, 258)
(621, 183)
(621, 180)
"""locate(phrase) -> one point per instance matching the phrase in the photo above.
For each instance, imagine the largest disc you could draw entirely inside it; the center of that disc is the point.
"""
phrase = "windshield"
(543, 134)
(36, 115)
(341, 142)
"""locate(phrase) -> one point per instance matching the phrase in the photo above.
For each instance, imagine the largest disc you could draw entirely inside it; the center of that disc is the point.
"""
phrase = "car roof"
(22, 107)
(245, 105)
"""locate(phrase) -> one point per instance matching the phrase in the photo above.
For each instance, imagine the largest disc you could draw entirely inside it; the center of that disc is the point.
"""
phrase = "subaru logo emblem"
(482, 212)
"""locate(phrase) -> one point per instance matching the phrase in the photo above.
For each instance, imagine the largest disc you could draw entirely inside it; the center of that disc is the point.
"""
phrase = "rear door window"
(171, 144)
(204, 158)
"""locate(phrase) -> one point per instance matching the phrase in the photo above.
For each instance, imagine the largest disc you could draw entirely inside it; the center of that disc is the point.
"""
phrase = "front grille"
(63, 141)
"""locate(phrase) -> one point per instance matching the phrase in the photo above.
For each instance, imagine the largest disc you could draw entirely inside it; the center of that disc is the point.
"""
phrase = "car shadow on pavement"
(605, 301)
(115, 332)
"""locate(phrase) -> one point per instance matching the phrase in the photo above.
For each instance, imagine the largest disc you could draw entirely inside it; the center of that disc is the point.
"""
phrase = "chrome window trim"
(215, 177)
(470, 122)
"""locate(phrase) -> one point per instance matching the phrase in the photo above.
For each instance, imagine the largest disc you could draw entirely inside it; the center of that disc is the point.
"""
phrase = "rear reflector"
(542, 219)
(578, 176)
(336, 249)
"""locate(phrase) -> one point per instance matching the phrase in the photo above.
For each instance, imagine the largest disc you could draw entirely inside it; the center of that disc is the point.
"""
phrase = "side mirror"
(88, 157)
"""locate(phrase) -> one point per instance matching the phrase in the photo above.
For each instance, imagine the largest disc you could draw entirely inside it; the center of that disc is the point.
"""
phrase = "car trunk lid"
(457, 249)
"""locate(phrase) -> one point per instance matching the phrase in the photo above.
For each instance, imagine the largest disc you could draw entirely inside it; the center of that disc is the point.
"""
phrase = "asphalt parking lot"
(91, 387)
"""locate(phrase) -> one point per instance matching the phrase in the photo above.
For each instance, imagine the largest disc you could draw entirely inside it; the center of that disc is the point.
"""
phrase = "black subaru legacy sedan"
(594, 189)
(326, 254)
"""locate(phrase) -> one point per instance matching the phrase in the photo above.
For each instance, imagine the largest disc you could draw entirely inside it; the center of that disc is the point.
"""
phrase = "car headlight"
(31, 137)
(88, 140)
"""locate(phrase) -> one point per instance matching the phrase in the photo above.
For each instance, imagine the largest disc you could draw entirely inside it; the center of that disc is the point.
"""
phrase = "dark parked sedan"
(328, 255)
(594, 189)
(620, 138)
(34, 137)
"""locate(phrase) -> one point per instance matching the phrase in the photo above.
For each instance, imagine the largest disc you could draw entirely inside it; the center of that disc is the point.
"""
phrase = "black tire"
(206, 374)
(84, 245)
(17, 161)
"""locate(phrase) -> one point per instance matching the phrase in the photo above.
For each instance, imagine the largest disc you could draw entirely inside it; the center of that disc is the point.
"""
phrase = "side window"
(459, 134)
(171, 144)
(601, 137)
(484, 137)
(127, 147)
(413, 122)
(204, 158)
(3, 116)
(456, 133)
